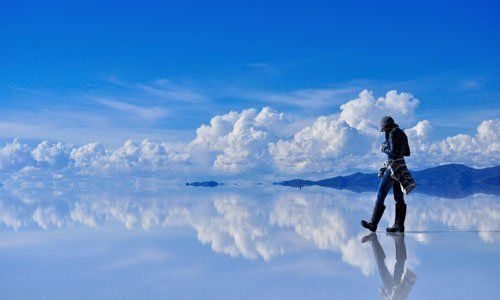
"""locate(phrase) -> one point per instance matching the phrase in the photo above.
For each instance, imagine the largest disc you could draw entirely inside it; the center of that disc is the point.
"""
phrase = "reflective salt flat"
(125, 241)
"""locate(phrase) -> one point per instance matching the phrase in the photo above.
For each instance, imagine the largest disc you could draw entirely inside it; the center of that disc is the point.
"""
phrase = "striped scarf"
(401, 174)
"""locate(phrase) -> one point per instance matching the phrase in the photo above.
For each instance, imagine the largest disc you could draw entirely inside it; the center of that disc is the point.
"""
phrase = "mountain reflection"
(246, 222)
(448, 191)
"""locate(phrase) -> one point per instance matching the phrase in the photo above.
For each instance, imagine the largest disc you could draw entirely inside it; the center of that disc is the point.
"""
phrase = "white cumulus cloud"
(365, 112)
(267, 141)
(481, 149)
(239, 141)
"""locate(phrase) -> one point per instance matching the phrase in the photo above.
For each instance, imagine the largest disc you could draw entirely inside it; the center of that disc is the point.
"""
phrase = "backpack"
(401, 135)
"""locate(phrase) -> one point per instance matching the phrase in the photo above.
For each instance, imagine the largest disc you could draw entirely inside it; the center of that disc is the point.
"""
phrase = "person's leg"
(378, 252)
(398, 193)
(403, 279)
(399, 243)
(378, 209)
(399, 219)
(384, 187)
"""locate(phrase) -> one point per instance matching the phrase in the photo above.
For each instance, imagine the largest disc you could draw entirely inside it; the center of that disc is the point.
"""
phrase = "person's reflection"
(394, 287)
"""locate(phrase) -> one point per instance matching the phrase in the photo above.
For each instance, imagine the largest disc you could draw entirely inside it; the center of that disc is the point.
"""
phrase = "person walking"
(393, 174)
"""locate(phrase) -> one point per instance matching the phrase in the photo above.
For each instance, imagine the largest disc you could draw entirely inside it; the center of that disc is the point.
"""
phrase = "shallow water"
(139, 239)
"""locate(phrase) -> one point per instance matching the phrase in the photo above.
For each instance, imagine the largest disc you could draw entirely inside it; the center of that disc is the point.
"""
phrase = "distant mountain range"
(446, 181)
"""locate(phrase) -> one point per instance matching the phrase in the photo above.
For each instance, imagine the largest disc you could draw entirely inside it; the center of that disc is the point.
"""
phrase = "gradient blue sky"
(95, 71)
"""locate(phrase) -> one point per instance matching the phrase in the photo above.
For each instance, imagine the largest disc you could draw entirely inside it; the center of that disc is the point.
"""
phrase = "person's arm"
(386, 148)
(394, 146)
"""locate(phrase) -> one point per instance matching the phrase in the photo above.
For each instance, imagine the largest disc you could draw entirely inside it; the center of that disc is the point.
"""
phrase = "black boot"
(399, 221)
(378, 211)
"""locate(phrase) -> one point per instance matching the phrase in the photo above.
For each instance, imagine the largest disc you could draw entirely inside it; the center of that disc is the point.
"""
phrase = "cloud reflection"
(241, 222)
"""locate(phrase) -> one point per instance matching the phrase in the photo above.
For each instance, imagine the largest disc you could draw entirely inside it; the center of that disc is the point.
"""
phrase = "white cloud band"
(253, 141)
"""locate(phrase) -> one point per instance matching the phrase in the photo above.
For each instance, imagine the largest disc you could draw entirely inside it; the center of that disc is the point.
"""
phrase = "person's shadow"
(397, 286)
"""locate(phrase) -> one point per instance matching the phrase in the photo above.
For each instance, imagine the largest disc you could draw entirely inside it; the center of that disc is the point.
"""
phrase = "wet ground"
(141, 240)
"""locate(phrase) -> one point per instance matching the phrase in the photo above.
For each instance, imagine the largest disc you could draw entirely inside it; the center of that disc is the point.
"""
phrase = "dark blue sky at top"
(70, 47)
(65, 43)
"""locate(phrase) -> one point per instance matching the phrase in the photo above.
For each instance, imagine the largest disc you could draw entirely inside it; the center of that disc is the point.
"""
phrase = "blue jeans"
(385, 186)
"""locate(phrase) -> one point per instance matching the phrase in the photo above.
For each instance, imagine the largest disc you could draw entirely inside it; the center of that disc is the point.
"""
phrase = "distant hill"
(447, 181)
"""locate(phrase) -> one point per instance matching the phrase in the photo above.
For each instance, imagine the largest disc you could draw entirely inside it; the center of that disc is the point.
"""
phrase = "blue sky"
(108, 72)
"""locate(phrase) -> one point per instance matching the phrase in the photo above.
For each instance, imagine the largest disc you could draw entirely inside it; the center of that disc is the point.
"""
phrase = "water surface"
(146, 239)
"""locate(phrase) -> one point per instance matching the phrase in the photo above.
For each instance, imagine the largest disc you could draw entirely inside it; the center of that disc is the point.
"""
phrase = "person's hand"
(381, 172)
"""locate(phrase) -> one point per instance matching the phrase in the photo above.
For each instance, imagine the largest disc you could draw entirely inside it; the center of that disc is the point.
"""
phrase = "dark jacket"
(396, 144)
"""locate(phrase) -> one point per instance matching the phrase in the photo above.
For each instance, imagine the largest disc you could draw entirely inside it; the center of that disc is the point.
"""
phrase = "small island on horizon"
(204, 183)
